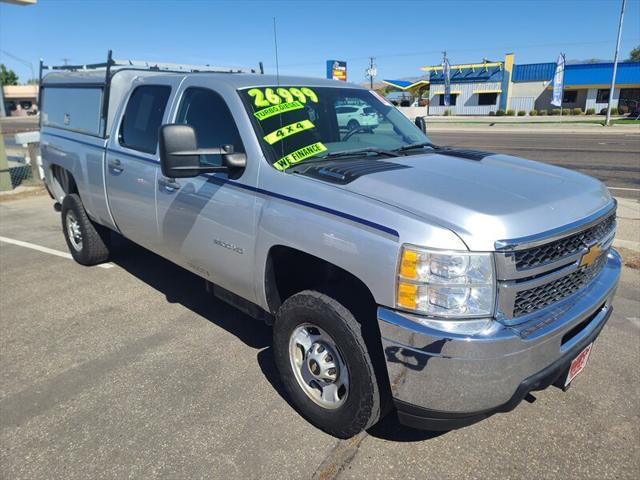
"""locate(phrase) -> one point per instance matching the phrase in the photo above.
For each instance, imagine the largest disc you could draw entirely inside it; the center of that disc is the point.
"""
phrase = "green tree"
(634, 54)
(7, 77)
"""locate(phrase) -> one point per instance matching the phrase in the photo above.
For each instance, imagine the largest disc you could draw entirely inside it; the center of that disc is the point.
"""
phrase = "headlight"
(446, 284)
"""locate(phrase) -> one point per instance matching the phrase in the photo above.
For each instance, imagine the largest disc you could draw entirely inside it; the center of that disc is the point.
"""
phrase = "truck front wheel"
(87, 241)
(324, 364)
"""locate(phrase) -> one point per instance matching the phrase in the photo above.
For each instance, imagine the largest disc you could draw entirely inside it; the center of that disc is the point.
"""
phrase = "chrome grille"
(534, 274)
(529, 301)
(533, 257)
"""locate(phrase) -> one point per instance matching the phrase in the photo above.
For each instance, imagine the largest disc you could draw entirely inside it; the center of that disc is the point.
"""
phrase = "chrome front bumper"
(438, 369)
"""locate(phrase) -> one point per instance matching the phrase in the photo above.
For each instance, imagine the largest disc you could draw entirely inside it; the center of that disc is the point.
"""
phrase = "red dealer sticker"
(578, 364)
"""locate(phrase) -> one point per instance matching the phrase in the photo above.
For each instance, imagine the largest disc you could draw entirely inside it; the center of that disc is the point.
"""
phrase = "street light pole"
(615, 65)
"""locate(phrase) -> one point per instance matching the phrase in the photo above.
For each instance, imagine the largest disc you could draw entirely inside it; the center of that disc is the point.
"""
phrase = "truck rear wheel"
(87, 241)
(324, 364)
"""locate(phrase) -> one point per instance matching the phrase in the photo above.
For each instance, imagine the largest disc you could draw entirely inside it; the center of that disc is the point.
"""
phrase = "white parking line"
(50, 251)
(627, 189)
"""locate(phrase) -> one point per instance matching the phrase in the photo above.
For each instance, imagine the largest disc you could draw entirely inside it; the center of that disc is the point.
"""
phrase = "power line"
(462, 50)
(21, 60)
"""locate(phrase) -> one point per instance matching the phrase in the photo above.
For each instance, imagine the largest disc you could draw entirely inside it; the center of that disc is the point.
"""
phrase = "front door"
(132, 162)
(207, 223)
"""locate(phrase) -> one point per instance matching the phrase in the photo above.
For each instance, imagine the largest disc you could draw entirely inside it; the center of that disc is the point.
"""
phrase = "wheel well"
(64, 183)
(290, 271)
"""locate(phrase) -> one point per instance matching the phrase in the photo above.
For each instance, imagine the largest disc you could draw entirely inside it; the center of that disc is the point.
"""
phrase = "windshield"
(298, 123)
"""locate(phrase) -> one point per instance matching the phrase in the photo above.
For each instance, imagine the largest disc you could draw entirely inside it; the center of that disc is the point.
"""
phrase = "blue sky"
(402, 35)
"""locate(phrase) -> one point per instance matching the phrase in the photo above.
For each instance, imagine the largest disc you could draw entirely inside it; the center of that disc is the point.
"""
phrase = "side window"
(143, 116)
(487, 98)
(76, 109)
(207, 112)
(602, 96)
(453, 97)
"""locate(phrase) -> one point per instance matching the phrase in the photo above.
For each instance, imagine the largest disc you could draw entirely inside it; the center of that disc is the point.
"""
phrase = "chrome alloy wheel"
(318, 366)
(73, 230)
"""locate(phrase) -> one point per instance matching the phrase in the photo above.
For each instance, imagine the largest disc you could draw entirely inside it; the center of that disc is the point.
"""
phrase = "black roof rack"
(147, 65)
(144, 65)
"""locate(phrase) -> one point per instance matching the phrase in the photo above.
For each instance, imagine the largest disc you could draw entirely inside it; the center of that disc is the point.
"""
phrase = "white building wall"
(592, 96)
(467, 101)
(524, 95)
(412, 112)
(522, 103)
(543, 102)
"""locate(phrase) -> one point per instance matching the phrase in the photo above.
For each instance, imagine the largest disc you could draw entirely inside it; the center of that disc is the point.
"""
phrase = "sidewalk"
(490, 126)
(525, 119)
(628, 233)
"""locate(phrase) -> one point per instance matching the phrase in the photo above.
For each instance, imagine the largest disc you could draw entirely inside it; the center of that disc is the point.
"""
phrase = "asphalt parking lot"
(135, 371)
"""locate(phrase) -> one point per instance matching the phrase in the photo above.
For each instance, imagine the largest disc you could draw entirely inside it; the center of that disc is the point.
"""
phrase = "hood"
(497, 197)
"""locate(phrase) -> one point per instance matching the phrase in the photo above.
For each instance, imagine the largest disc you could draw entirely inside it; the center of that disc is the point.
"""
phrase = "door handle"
(116, 164)
(169, 184)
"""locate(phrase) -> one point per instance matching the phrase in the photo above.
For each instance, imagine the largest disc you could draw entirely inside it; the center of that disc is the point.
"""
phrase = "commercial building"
(19, 99)
(483, 88)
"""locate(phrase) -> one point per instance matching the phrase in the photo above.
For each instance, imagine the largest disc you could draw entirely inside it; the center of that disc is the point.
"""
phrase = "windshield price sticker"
(299, 155)
(276, 109)
(271, 96)
(284, 132)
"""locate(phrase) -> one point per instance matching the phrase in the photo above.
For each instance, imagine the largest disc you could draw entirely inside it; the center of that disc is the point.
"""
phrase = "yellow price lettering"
(310, 93)
(258, 97)
(272, 97)
(286, 94)
(298, 94)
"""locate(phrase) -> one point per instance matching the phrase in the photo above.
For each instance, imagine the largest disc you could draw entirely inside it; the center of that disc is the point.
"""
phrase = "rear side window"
(208, 114)
(143, 117)
(76, 109)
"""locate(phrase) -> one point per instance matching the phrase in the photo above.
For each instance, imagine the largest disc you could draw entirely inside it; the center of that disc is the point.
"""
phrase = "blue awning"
(588, 74)
(405, 84)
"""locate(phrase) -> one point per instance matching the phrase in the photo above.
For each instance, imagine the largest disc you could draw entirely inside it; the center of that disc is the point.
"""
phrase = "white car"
(351, 117)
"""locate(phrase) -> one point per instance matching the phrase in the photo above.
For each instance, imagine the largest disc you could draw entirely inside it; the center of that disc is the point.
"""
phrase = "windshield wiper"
(413, 146)
(347, 153)
(359, 151)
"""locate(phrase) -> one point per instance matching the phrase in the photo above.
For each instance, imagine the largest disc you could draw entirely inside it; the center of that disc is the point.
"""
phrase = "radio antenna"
(275, 41)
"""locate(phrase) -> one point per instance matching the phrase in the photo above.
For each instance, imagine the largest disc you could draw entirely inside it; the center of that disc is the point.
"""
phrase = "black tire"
(362, 407)
(93, 246)
(352, 125)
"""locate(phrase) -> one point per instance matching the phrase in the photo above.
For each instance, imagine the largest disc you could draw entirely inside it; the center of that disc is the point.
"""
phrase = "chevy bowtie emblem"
(592, 254)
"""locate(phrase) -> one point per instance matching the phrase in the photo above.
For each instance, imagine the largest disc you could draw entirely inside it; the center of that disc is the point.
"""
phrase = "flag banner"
(558, 82)
(446, 70)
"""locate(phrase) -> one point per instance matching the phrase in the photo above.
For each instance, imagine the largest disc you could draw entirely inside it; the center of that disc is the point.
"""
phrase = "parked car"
(352, 117)
(440, 284)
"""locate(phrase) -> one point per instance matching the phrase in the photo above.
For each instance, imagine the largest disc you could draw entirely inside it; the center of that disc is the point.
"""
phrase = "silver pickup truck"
(438, 284)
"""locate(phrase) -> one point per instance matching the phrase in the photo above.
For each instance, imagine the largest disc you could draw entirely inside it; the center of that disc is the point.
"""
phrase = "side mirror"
(180, 155)
(421, 123)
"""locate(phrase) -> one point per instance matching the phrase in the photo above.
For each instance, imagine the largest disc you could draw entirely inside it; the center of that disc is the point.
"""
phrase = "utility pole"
(371, 72)
(615, 65)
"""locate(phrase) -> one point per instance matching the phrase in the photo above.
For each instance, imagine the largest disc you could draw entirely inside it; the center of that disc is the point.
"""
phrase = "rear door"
(132, 164)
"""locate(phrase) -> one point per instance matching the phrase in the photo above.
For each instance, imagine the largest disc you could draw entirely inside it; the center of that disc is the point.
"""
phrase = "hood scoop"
(344, 172)
(461, 153)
